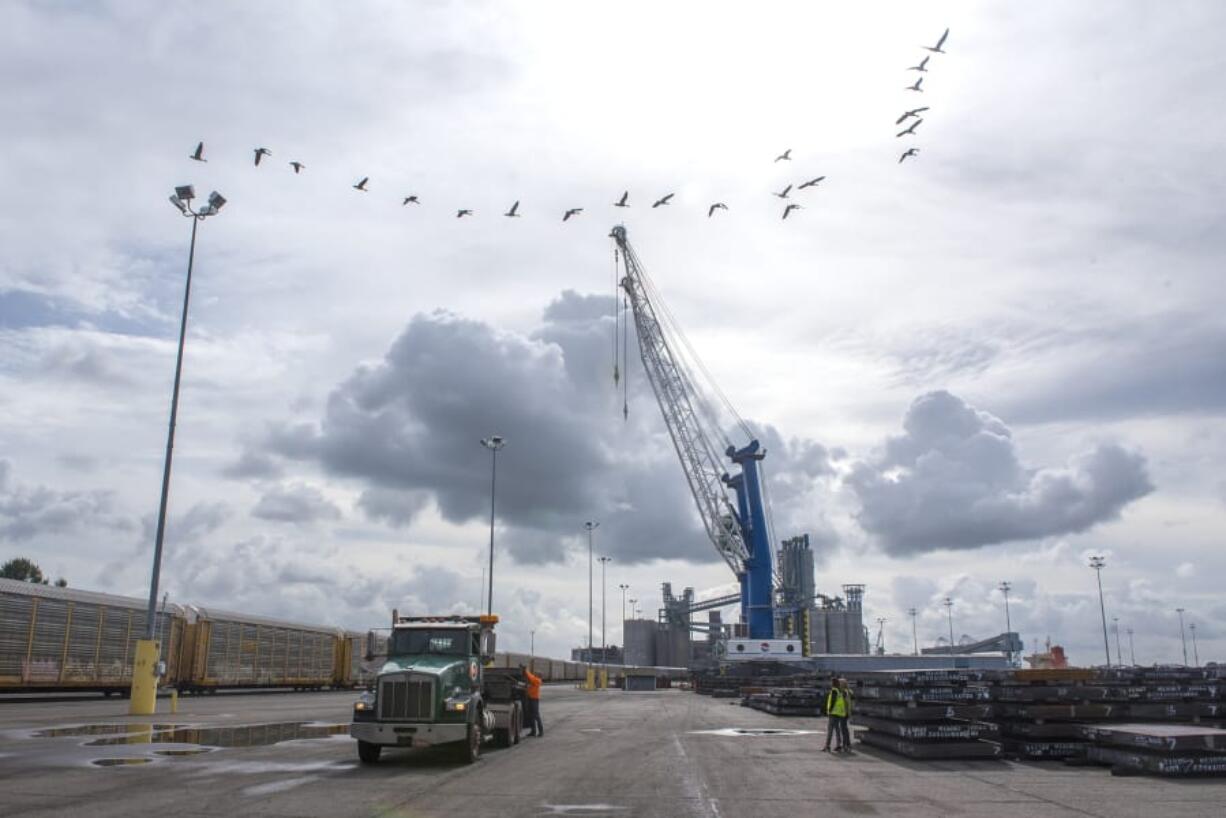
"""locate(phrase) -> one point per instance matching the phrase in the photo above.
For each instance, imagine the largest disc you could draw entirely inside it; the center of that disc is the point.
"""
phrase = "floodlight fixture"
(216, 201)
(179, 203)
(185, 192)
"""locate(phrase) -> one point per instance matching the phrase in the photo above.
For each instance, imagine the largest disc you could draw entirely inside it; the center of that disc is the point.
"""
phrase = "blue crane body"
(739, 531)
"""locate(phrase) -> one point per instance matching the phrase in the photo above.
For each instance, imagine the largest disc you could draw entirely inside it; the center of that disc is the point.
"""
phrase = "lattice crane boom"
(673, 388)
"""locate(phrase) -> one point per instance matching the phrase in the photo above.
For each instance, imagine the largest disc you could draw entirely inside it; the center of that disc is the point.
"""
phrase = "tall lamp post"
(590, 527)
(1195, 652)
(604, 650)
(624, 587)
(634, 611)
(1005, 586)
(145, 666)
(949, 607)
(531, 644)
(493, 443)
(914, 635)
(1132, 651)
(1119, 653)
(1097, 562)
(1183, 636)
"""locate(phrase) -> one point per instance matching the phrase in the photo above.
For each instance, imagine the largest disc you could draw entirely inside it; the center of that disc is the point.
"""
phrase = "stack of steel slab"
(926, 714)
(788, 701)
(1160, 749)
(1039, 713)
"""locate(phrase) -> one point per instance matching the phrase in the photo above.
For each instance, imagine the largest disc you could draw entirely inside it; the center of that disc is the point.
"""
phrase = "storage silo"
(640, 641)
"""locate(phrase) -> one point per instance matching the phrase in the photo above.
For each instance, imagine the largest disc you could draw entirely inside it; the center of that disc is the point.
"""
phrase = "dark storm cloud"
(954, 479)
(27, 512)
(253, 465)
(409, 428)
(1172, 364)
(295, 503)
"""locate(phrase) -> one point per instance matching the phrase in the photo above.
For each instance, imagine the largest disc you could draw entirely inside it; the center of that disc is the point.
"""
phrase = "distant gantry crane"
(738, 528)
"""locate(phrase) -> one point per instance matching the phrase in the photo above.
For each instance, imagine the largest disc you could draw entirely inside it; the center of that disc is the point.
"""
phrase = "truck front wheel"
(471, 750)
(369, 753)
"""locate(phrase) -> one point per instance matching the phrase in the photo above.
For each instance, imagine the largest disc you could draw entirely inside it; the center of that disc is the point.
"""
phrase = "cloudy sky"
(985, 363)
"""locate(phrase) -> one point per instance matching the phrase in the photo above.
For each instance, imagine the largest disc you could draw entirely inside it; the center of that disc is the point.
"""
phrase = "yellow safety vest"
(838, 702)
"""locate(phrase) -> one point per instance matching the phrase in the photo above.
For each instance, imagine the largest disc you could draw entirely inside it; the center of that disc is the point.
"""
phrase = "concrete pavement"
(670, 753)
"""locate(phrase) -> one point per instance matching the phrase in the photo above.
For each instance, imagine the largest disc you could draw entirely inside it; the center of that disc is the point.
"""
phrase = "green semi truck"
(435, 687)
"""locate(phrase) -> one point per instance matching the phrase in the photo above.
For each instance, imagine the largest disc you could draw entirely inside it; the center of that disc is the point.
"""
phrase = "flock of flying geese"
(513, 212)
(918, 87)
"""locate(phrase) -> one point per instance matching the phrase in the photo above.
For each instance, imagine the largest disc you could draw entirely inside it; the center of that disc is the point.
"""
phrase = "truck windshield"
(450, 641)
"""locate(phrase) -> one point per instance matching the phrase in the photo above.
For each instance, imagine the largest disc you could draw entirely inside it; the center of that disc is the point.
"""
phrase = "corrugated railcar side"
(64, 639)
(229, 649)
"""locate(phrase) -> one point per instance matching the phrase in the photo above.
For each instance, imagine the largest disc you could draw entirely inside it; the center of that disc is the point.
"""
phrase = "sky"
(986, 362)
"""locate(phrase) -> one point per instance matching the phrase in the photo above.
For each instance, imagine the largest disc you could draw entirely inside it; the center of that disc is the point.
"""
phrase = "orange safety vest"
(534, 684)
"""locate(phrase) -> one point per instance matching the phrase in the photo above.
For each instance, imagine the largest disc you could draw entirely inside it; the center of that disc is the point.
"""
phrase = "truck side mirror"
(370, 646)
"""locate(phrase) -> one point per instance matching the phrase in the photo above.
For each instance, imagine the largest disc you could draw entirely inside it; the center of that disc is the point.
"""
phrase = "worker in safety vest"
(838, 711)
(534, 702)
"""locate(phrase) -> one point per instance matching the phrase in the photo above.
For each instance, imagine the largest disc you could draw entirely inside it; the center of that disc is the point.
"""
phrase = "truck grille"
(405, 697)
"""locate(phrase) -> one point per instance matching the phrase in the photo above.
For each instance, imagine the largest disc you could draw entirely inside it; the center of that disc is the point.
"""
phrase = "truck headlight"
(456, 705)
(364, 703)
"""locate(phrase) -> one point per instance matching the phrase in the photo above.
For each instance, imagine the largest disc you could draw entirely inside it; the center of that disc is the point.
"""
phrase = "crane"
(738, 529)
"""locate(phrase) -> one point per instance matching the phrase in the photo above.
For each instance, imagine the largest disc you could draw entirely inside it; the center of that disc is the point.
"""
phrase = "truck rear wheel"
(471, 750)
(369, 753)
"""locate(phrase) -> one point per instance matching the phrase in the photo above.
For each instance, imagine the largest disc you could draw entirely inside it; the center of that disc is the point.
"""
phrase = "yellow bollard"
(145, 678)
(589, 682)
(604, 679)
(174, 701)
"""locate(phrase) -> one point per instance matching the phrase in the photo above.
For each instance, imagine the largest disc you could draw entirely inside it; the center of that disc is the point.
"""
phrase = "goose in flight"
(786, 155)
(923, 66)
(811, 183)
(663, 200)
(410, 200)
(789, 209)
(910, 130)
(717, 206)
(362, 184)
(513, 213)
(917, 85)
(783, 194)
(622, 201)
(198, 154)
(908, 152)
(297, 166)
(260, 153)
(459, 214)
(574, 211)
(940, 42)
(911, 113)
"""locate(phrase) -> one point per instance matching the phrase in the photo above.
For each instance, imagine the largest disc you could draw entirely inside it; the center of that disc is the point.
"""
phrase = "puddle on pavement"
(101, 730)
(119, 762)
(192, 752)
(253, 735)
(753, 731)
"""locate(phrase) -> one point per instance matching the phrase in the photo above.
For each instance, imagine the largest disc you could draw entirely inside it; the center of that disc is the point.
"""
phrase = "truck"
(436, 687)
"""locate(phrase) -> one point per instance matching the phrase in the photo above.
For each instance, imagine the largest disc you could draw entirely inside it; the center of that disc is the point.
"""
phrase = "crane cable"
(674, 329)
(616, 318)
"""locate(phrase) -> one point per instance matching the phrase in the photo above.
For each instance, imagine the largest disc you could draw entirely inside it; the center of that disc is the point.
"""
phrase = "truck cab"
(437, 686)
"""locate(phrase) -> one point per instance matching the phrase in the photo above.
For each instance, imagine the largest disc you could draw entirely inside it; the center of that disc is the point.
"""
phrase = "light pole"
(1097, 562)
(493, 443)
(590, 526)
(634, 611)
(949, 607)
(1195, 652)
(1119, 654)
(531, 644)
(145, 667)
(881, 635)
(914, 635)
(604, 650)
(1183, 636)
(1004, 587)
(1132, 652)
(624, 587)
